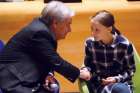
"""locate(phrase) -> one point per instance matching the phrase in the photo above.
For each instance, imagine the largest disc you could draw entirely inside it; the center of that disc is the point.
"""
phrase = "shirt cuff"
(88, 68)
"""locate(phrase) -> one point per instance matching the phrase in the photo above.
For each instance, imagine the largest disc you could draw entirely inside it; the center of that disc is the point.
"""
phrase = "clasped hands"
(85, 74)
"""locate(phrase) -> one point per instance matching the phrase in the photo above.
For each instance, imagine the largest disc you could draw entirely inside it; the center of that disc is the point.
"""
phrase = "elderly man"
(31, 54)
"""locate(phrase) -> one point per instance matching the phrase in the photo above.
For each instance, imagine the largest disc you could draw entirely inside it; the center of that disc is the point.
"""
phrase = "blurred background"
(15, 14)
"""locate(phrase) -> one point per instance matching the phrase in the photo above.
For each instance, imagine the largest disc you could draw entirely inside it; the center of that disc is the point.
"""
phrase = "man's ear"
(54, 23)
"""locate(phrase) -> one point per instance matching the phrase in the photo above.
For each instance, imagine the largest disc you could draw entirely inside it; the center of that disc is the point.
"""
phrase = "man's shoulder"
(37, 25)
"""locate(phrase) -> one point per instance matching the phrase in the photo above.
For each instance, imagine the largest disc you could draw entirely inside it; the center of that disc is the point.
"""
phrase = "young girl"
(108, 56)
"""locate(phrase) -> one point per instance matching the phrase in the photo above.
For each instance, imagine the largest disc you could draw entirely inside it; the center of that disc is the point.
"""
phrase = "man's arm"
(46, 52)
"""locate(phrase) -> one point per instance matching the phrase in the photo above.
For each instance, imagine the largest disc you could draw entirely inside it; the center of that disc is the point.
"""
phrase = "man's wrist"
(89, 69)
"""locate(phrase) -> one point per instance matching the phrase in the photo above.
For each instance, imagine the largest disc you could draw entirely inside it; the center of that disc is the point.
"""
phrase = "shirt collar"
(46, 22)
(117, 39)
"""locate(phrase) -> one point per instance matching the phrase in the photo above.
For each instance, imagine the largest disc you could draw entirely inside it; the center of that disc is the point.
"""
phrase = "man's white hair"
(57, 10)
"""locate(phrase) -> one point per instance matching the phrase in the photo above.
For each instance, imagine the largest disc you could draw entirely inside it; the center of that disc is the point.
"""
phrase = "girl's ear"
(54, 23)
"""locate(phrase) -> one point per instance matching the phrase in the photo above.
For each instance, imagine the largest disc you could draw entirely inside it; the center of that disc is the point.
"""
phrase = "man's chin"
(61, 38)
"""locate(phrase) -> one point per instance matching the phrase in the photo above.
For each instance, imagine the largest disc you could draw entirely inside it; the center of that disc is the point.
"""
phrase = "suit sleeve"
(42, 45)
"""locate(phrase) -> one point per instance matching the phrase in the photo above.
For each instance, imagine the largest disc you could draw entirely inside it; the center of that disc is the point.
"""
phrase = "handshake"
(85, 74)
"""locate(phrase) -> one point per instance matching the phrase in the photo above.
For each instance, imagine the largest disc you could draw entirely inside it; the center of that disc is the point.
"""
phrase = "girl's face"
(99, 31)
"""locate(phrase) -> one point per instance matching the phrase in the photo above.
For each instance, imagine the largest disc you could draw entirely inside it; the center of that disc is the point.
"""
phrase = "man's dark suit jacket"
(28, 57)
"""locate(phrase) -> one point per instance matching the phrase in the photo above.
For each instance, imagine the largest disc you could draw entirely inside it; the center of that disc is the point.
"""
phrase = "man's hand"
(49, 80)
(85, 74)
(108, 80)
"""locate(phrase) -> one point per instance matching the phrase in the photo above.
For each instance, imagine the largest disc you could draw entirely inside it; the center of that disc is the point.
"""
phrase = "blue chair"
(1, 45)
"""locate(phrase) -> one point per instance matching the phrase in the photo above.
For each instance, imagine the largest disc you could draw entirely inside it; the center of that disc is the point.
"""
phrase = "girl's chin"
(97, 39)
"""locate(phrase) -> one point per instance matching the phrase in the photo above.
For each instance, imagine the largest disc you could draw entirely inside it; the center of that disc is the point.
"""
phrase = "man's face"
(62, 28)
(99, 31)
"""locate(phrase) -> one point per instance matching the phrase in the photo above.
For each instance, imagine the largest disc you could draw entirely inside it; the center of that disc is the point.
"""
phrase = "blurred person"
(1, 45)
(108, 56)
(31, 53)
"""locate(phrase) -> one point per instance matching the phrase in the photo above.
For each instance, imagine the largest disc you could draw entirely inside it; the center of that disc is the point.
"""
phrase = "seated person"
(109, 57)
(1, 46)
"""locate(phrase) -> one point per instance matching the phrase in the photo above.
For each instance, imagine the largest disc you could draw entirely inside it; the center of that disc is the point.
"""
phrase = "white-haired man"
(31, 54)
